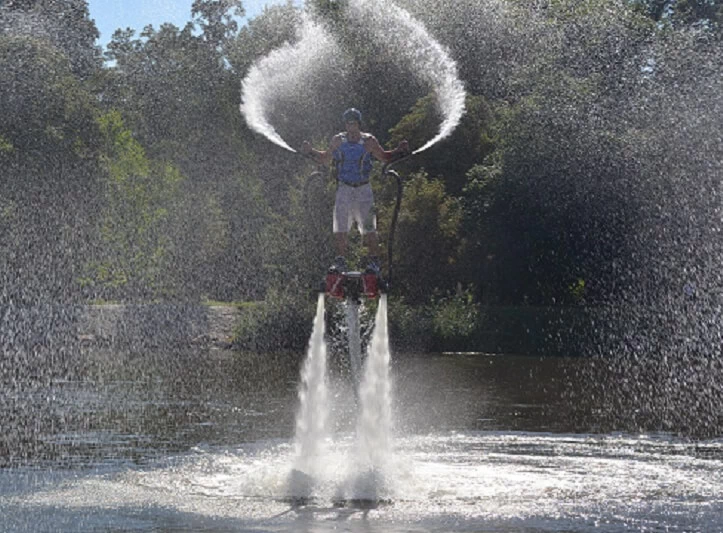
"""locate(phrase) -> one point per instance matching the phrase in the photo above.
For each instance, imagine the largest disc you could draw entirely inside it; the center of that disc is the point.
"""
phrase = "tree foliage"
(427, 238)
(707, 14)
(585, 171)
(216, 19)
(140, 197)
(45, 108)
(49, 161)
(63, 24)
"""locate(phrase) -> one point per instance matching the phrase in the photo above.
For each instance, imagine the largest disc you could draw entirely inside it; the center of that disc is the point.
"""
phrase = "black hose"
(316, 174)
(393, 227)
(387, 171)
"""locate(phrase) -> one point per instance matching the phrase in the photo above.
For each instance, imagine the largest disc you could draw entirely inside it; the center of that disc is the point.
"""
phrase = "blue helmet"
(352, 114)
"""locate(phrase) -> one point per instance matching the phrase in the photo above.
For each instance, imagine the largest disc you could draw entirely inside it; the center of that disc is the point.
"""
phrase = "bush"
(457, 321)
(459, 324)
(281, 322)
(410, 327)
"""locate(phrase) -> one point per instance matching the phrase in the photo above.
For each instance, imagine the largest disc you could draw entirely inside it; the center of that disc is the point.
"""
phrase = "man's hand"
(372, 145)
(305, 148)
(402, 150)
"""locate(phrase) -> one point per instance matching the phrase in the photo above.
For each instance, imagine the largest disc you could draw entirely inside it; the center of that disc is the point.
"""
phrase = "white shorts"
(354, 204)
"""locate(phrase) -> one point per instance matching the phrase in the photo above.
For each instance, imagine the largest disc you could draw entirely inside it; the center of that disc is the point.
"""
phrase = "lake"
(203, 442)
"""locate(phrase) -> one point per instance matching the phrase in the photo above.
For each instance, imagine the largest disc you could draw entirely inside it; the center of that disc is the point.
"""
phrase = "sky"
(109, 15)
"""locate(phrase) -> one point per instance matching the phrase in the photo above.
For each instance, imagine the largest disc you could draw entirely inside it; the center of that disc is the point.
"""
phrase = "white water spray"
(374, 427)
(354, 336)
(281, 75)
(407, 40)
(311, 420)
(370, 465)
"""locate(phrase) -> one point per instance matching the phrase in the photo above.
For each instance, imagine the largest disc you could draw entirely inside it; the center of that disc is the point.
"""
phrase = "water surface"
(481, 443)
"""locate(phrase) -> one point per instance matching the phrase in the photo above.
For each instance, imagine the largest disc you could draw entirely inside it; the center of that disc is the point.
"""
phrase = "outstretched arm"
(323, 157)
(372, 145)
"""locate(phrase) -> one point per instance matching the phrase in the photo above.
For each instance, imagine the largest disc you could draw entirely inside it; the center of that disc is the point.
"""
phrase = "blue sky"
(109, 15)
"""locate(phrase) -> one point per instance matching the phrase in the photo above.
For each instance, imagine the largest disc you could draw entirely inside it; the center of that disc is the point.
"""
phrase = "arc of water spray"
(407, 39)
(279, 74)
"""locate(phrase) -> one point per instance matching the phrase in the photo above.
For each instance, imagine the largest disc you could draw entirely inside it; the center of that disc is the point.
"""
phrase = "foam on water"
(470, 481)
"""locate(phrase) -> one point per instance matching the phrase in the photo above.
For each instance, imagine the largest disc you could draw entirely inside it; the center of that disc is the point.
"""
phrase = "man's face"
(352, 126)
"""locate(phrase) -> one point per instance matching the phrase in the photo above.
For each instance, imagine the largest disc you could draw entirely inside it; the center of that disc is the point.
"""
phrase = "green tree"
(180, 98)
(44, 106)
(427, 241)
(50, 167)
(468, 145)
(140, 197)
(65, 25)
(167, 82)
(217, 19)
(707, 14)
(274, 27)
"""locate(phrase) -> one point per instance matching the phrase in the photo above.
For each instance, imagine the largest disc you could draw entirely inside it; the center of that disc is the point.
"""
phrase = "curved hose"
(387, 171)
(316, 174)
(393, 227)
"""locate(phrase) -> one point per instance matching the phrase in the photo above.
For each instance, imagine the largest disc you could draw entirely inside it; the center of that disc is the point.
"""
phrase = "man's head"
(352, 115)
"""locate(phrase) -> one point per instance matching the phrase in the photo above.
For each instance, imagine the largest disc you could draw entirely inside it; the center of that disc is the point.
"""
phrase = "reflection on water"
(481, 444)
(146, 409)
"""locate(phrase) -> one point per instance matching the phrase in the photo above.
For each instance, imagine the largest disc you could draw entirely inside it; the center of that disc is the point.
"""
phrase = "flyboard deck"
(352, 285)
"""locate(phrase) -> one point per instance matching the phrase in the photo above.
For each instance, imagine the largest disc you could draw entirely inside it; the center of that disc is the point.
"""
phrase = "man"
(351, 154)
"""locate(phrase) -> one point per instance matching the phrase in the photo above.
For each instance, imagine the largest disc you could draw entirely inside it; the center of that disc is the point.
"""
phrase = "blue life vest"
(352, 162)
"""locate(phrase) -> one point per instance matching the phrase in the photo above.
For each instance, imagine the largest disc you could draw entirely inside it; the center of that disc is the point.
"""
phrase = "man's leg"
(368, 229)
(371, 241)
(341, 241)
(374, 264)
(342, 225)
